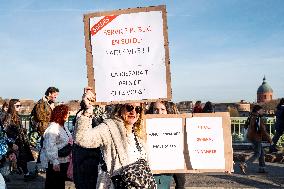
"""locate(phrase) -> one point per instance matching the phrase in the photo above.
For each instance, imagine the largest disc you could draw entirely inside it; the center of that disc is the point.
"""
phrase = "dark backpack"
(247, 123)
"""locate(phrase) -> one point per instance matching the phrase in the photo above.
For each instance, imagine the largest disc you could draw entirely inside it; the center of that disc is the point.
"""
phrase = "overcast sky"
(219, 50)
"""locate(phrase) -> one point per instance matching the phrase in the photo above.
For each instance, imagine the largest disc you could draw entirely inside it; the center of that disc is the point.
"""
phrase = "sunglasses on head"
(129, 108)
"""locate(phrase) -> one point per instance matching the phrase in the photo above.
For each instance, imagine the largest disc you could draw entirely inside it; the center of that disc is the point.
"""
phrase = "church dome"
(264, 87)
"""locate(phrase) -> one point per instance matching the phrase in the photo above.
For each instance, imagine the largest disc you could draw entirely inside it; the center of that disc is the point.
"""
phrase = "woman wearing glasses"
(118, 137)
(14, 130)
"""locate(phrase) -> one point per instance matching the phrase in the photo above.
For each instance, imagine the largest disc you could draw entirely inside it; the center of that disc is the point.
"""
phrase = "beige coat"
(114, 145)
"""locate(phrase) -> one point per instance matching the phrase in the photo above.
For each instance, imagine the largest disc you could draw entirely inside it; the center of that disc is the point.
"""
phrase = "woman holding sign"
(121, 139)
(164, 180)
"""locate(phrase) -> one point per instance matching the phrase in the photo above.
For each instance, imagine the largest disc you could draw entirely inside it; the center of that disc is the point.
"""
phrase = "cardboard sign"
(165, 143)
(205, 142)
(184, 144)
(127, 55)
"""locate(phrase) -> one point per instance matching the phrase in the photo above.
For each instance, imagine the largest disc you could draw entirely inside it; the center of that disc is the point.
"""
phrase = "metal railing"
(237, 126)
(26, 122)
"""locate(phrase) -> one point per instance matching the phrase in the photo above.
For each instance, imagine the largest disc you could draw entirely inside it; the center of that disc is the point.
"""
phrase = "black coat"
(19, 135)
(279, 124)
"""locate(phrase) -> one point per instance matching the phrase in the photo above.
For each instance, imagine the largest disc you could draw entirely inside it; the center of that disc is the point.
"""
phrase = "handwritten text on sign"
(205, 142)
(129, 56)
(165, 143)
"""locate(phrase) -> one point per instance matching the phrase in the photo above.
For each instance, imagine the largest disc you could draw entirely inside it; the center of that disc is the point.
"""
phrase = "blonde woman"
(117, 137)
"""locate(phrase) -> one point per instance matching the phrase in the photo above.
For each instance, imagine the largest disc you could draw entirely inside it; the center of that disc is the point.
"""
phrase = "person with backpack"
(256, 133)
(279, 125)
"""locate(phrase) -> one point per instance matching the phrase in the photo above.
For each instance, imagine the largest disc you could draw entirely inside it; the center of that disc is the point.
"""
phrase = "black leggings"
(56, 179)
(23, 165)
(85, 167)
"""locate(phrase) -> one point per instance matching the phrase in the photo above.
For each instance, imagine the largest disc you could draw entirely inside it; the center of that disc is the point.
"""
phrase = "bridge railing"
(26, 122)
(237, 126)
(238, 131)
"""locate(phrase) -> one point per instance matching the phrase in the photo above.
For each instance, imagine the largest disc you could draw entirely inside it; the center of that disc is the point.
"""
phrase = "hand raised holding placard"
(89, 98)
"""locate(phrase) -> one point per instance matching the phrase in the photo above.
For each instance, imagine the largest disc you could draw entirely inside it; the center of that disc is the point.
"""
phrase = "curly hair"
(59, 114)
(138, 125)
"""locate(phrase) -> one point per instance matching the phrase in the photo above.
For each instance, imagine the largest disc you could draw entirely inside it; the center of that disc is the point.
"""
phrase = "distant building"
(236, 109)
(244, 108)
(224, 107)
(264, 92)
(27, 106)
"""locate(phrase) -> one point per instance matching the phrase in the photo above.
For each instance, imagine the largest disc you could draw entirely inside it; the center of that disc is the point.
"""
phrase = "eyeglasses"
(129, 108)
(18, 106)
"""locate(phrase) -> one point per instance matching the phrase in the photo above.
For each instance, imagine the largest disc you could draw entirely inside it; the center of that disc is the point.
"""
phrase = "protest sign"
(127, 55)
(205, 142)
(165, 143)
(181, 143)
(209, 142)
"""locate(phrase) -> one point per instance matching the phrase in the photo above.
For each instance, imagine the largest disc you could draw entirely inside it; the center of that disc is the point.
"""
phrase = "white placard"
(129, 57)
(165, 143)
(205, 142)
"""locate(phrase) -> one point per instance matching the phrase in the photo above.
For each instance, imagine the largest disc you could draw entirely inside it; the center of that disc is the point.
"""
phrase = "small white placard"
(205, 142)
(165, 143)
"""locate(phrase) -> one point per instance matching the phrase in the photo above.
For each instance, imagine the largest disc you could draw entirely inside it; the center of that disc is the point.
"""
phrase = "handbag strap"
(136, 142)
(115, 150)
(114, 144)
(66, 131)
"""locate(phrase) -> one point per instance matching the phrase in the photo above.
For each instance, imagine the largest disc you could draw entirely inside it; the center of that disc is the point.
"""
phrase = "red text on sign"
(203, 127)
(125, 41)
(128, 30)
(203, 139)
(206, 151)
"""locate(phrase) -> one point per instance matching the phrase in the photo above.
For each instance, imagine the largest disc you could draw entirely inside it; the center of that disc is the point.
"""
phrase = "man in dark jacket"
(41, 112)
(40, 116)
(279, 125)
(256, 133)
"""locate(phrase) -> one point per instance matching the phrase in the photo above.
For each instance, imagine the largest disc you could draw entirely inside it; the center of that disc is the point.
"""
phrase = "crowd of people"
(103, 143)
(207, 108)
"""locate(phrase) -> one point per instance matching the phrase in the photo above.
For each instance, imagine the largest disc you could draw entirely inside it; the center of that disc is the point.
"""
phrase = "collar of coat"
(45, 100)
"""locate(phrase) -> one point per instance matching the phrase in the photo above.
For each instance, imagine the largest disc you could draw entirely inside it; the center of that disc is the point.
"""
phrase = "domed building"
(264, 92)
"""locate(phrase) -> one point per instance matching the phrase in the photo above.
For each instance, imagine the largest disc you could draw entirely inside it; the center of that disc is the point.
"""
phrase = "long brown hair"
(59, 113)
(4, 106)
(12, 113)
(170, 107)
